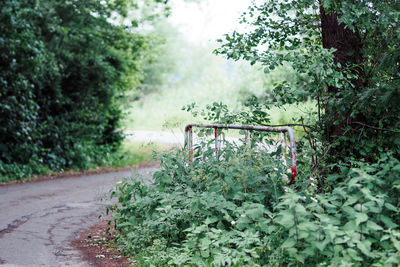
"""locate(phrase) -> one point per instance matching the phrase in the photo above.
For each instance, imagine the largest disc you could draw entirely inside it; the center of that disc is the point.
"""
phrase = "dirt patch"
(72, 174)
(94, 245)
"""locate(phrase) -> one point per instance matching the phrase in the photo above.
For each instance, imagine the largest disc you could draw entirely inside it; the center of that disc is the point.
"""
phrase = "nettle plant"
(202, 213)
(354, 225)
(238, 211)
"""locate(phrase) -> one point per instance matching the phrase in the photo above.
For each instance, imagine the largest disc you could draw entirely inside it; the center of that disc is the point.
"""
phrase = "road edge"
(77, 174)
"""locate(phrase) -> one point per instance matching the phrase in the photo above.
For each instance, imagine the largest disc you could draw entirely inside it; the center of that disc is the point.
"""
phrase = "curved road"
(39, 219)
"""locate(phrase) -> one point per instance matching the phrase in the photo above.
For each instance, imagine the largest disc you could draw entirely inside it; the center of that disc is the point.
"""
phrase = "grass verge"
(129, 155)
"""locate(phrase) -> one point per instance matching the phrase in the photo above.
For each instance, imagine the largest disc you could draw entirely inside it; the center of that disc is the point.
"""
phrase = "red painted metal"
(288, 130)
(294, 167)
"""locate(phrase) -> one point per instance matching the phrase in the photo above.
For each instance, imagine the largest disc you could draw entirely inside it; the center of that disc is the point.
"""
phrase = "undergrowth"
(238, 211)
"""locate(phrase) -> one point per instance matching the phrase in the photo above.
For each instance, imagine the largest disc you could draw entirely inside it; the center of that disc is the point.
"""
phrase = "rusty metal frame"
(248, 128)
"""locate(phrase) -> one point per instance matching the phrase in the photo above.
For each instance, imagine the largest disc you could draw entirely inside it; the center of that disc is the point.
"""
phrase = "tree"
(64, 66)
(346, 56)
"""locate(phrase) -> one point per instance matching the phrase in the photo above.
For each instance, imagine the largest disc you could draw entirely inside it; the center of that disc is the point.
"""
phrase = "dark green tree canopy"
(64, 66)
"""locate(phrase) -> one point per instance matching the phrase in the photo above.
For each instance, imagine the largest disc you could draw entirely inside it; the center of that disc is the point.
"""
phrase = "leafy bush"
(64, 67)
(238, 211)
(347, 63)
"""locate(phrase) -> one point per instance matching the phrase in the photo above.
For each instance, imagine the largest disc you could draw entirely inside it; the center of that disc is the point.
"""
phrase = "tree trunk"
(348, 46)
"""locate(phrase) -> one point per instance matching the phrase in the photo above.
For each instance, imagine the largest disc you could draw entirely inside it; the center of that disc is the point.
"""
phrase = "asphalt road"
(39, 219)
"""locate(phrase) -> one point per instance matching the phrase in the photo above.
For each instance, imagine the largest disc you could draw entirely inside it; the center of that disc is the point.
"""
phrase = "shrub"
(239, 212)
(64, 68)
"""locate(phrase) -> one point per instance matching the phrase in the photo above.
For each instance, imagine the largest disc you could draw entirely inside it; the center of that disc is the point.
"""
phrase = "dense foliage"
(238, 211)
(64, 65)
(346, 57)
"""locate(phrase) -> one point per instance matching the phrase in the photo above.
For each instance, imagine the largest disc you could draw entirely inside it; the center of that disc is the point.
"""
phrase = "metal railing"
(248, 128)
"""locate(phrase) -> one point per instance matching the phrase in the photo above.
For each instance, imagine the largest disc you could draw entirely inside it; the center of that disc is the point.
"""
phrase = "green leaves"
(64, 68)
(355, 84)
(286, 218)
(372, 225)
(388, 222)
(360, 217)
(255, 211)
(237, 211)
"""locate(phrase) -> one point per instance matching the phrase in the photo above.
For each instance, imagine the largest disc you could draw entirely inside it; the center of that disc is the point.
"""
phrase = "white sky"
(207, 20)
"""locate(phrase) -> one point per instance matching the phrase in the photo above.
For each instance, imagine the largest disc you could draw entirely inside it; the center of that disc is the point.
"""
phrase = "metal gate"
(248, 128)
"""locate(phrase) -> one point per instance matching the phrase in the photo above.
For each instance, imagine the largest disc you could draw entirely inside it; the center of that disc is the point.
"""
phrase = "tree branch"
(291, 124)
(376, 128)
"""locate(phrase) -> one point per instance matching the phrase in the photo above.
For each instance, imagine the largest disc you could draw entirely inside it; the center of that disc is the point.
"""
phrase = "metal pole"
(216, 142)
(247, 138)
(188, 129)
(189, 141)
